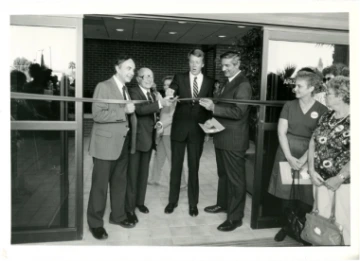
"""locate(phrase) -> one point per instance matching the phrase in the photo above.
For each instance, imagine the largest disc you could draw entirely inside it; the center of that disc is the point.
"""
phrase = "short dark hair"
(313, 77)
(197, 53)
(122, 58)
(341, 85)
(167, 77)
(336, 69)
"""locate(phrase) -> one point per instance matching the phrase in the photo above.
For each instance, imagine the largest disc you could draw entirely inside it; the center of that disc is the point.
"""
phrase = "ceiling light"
(182, 22)
(119, 18)
(241, 26)
(120, 30)
(222, 36)
(172, 32)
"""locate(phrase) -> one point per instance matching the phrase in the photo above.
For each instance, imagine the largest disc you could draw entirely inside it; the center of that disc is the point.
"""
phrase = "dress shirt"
(232, 78)
(145, 91)
(120, 86)
(199, 80)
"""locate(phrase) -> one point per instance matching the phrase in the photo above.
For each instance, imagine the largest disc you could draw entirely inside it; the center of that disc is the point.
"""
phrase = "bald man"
(138, 169)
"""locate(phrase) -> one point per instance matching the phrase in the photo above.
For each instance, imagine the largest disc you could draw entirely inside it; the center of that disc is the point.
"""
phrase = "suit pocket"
(103, 133)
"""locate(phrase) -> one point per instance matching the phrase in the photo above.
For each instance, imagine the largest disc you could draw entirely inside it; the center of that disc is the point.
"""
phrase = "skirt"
(298, 146)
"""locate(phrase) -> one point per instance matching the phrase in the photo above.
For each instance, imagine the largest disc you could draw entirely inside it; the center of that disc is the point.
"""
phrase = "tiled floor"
(178, 228)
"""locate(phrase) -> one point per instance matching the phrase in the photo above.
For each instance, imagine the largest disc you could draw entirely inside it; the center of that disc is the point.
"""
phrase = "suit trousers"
(231, 192)
(105, 172)
(163, 153)
(194, 151)
(138, 172)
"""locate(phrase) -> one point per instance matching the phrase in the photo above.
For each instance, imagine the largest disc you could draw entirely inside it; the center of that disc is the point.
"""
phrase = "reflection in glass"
(286, 58)
(43, 180)
(42, 63)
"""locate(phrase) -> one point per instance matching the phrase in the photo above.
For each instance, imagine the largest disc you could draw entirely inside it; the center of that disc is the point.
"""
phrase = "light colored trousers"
(342, 207)
(163, 152)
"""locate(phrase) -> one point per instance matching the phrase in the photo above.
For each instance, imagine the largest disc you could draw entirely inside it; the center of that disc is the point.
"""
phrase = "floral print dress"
(332, 145)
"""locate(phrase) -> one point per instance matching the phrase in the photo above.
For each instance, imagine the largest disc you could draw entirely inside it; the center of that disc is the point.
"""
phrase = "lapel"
(115, 90)
(188, 86)
(141, 93)
(204, 87)
(229, 85)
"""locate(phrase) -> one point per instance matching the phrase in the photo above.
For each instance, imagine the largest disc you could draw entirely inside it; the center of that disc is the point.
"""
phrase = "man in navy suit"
(231, 143)
(138, 170)
(185, 130)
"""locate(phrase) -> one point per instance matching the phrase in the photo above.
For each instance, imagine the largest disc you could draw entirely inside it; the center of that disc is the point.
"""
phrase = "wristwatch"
(342, 176)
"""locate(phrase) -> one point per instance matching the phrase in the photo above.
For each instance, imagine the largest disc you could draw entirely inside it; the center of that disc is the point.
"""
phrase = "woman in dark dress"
(297, 121)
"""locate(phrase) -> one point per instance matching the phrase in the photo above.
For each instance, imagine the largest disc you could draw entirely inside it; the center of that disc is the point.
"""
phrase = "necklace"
(333, 121)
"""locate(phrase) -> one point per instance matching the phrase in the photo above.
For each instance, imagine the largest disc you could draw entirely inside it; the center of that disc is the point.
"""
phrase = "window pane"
(43, 179)
(42, 63)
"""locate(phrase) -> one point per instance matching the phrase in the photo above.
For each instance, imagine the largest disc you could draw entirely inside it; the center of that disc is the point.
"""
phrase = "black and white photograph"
(200, 135)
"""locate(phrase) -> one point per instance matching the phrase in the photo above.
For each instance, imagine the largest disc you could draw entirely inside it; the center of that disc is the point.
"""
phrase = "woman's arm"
(284, 144)
(315, 177)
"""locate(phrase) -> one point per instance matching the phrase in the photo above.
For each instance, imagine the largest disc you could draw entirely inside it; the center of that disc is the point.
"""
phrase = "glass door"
(285, 51)
(46, 135)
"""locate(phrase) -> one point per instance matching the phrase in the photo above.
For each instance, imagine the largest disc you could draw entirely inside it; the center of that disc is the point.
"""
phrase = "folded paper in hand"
(287, 174)
(216, 126)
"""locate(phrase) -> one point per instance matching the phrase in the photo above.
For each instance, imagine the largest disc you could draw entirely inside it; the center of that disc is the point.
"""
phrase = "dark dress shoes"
(143, 209)
(280, 236)
(229, 225)
(170, 208)
(125, 223)
(193, 211)
(214, 209)
(132, 217)
(99, 233)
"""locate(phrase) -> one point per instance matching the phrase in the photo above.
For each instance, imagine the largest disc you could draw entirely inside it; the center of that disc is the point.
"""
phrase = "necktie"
(150, 98)
(124, 92)
(195, 88)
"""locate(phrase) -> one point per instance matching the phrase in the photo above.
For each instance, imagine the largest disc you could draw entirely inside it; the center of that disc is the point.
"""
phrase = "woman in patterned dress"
(329, 154)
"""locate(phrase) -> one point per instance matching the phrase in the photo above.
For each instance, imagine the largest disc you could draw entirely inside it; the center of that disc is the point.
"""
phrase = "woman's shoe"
(280, 236)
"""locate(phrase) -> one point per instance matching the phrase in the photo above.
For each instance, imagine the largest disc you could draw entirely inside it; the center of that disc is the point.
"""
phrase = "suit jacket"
(188, 115)
(234, 117)
(110, 124)
(145, 119)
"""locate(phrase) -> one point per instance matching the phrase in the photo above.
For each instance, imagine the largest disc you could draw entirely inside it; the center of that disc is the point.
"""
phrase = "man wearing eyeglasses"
(138, 169)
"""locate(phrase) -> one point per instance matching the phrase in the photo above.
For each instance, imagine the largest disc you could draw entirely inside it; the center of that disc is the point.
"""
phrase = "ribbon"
(28, 96)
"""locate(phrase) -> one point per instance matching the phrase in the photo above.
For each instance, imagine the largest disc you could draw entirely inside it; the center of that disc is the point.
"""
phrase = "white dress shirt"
(232, 78)
(120, 86)
(199, 80)
(145, 91)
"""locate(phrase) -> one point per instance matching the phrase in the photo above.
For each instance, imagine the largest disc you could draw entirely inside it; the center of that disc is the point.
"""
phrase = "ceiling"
(156, 30)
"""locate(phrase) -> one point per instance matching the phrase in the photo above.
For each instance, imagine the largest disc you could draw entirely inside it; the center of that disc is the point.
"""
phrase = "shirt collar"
(144, 90)
(232, 78)
(200, 75)
(118, 83)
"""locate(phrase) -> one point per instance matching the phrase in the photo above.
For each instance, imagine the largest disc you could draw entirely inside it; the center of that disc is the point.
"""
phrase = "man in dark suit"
(185, 130)
(138, 170)
(231, 143)
(109, 149)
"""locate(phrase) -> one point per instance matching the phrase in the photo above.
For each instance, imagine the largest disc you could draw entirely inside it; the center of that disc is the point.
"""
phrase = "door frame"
(64, 234)
(290, 35)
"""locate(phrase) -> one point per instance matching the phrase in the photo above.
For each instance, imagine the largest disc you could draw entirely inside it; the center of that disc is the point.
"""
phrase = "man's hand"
(129, 108)
(208, 124)
(207, 104)
(169, 92)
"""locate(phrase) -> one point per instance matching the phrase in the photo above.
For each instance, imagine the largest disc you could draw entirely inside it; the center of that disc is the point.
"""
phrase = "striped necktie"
(150, 98)
(195, 88)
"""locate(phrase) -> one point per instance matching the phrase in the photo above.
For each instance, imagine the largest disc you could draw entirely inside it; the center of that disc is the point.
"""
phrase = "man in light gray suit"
(109, 147)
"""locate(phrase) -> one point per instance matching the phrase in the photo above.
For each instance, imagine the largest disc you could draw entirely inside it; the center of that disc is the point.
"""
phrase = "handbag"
(321, 231)
(294, 221)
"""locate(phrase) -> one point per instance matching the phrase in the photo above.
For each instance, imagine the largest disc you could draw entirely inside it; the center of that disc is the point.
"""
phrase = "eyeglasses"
(146, 77)
(326, 79)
